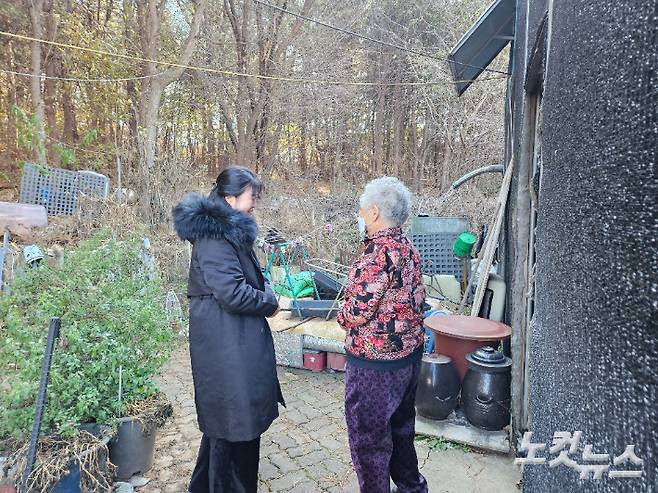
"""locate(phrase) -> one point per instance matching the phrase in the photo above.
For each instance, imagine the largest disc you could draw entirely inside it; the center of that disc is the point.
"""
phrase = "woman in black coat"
(233, 365)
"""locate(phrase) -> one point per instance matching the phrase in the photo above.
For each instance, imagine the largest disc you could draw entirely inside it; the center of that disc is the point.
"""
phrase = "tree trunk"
(133, 126)
(258, 50)
(129, 28)
(445, 164)
(12, 101)
(151, 95)
(36, 13)
(398, 127)
(303, 163)
(337, 167)
(147, 137)
(70, 120)
(211, 143)
(240, 28)
(378, 151)
(273, 155)
(413, 147)
(51, 63)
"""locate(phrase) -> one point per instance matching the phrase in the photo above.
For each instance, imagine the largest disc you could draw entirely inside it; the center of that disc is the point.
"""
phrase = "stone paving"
(306, 449)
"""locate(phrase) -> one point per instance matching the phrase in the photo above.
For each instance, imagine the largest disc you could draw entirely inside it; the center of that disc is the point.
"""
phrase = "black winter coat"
(233, 364)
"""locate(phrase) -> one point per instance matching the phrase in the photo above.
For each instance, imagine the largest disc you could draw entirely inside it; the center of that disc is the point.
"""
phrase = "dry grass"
(323, 216)
(54, 457)
(151, 413)
(305, 210)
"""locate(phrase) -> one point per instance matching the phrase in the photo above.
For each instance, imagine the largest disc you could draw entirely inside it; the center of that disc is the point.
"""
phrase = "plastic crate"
(57, 189)
(438, 224)
(434, 238)
(92, 183)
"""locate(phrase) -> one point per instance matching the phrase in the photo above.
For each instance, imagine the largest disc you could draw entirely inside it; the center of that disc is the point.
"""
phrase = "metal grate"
(57, 189)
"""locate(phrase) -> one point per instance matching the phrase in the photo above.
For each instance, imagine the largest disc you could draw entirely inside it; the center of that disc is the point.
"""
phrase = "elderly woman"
(383, 318)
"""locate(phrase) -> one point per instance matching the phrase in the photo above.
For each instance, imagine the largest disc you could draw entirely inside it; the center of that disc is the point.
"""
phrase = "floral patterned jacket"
(383, 309)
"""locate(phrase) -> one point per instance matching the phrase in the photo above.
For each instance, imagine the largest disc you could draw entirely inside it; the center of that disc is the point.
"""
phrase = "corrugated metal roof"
(482, 43)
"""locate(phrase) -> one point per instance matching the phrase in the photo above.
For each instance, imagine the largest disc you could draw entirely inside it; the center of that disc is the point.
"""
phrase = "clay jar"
(438, 387)
(485, 394)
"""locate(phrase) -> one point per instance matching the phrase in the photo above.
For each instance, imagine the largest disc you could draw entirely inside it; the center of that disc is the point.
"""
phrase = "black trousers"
(226, 467)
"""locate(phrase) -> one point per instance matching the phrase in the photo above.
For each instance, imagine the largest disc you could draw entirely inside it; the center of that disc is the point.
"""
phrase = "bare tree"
(260, 40)
(36, 17)
(149, 15)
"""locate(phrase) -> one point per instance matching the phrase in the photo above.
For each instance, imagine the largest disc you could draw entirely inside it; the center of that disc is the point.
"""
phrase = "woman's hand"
(278, 309)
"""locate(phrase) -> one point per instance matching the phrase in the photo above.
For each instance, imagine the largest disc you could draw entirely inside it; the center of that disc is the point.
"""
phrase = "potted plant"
(114, 339)
(132, 448)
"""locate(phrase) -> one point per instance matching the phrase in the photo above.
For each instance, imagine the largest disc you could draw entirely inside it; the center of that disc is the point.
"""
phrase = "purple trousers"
(380, 414)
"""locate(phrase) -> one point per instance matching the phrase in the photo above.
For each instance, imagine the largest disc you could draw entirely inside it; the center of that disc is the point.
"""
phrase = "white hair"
(391, 196)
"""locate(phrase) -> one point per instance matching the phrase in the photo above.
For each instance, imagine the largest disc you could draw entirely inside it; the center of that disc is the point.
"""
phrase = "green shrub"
(112, 316)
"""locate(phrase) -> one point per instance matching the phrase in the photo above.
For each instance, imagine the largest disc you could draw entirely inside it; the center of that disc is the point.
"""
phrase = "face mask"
(362, 226)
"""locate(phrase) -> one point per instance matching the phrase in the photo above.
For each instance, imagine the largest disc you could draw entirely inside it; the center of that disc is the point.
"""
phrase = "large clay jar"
(438, 387)
(485, 395)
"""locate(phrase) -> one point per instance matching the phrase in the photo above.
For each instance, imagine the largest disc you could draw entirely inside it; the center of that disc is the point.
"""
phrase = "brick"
(306, 448)
(297, 417)
(288, 481)
(307, 487)
(284, 463)
(319, 473)
(284, 442)
(336, 466)
(332, 444)
(313, 458)
(267, 471)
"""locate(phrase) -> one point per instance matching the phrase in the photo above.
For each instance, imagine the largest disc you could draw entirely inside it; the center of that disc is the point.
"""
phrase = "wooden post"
(487, 258)
(465, 284)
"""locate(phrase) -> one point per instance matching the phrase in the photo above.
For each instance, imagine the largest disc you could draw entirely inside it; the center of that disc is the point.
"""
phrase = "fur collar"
(197, 217)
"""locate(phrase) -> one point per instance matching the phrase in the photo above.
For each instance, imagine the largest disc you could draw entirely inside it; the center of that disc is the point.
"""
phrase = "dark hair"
(234, 180)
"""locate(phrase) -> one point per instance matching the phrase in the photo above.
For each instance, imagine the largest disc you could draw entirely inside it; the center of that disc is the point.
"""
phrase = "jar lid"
(469, 328)
(437, 358)
(488, 357)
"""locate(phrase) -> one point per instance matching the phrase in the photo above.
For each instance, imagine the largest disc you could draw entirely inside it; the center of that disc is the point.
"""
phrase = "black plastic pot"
(132, 449)
(70, 482)
(438, 387)
(486, 389)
